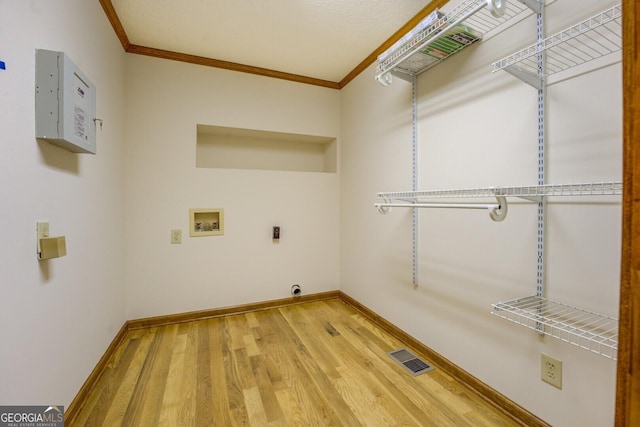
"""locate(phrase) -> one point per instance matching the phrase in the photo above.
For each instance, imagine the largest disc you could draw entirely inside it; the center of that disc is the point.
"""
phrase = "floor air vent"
(410, 361)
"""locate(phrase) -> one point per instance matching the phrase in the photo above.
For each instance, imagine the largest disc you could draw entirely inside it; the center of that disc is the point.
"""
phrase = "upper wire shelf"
(590, 39)
(585, 329)
(444, 35)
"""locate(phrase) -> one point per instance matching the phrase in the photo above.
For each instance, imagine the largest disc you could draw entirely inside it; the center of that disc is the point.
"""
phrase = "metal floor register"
(412, 363)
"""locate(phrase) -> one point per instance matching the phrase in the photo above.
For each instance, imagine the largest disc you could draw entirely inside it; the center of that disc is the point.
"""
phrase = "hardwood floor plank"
(185, 413)
(147, 397)
(319, 363)
(267, 393)
(238, 328)
(255, 409)
(251, 319)
(158, 381)
(304, 328)
(309, 380)
(360, 367)
(175, 379)
(119, 370)
(291, 408)
(240, 356)
(137, 400)
(118, 408)
(451, 401)
(272, 348)
(204, 415)
(236, 368)
(219, 350)
(289, 385)
(419, 401)
(96, 410)
(409, 394)
(250, 345)
(446, 409)
(366, 403)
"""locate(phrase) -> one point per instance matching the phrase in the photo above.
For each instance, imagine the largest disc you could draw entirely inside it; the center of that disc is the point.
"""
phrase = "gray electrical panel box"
(65, 103)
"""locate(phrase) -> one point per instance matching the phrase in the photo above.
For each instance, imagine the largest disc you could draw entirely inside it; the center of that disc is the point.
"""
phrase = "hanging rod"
(437, 205)
(497, 211)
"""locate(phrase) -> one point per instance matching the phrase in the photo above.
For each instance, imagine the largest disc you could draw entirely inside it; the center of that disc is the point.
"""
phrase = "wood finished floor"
(313, 364)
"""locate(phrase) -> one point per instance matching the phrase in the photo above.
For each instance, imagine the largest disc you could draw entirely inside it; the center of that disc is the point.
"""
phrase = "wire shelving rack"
(597, 37)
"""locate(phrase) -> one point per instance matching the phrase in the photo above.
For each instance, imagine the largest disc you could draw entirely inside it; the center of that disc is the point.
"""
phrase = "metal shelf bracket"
(526, 76)
(534, 5)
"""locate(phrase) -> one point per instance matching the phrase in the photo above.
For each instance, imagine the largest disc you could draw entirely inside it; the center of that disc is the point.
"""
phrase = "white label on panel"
(80, 108)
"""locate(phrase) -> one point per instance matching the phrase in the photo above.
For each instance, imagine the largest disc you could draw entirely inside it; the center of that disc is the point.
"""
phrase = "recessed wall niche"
(238, 148)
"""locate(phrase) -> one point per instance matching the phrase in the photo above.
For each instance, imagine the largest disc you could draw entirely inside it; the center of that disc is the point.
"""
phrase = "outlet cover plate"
(551, 370)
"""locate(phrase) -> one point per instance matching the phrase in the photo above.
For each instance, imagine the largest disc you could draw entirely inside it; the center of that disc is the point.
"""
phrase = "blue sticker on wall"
(2, 66)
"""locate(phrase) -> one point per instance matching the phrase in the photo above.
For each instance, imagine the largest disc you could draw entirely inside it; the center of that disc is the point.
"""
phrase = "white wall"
(57, 317)
(166, 100)
(478, 129)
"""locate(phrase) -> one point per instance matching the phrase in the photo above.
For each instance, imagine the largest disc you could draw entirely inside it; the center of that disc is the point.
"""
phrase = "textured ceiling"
(321, 39)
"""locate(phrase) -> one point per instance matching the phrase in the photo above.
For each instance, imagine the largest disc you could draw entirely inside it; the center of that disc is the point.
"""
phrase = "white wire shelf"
(497, 211)
(585, 329)
(462, 26)
(603, 188)
(588, 40)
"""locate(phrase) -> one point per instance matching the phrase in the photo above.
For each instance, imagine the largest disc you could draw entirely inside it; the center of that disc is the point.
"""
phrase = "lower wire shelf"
(585, 329)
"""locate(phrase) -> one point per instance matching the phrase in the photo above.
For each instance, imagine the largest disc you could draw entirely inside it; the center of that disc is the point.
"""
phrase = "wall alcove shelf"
(585, 42)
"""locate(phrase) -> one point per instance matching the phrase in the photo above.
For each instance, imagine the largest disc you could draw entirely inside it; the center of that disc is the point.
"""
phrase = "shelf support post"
(414, 142)
(542, 204)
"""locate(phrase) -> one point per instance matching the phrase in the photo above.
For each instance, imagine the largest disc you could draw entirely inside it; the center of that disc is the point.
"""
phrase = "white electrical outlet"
(42, 231)
(551, 369)
(176, 236)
